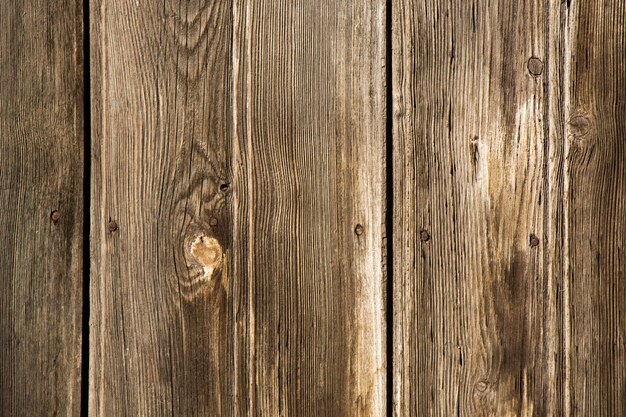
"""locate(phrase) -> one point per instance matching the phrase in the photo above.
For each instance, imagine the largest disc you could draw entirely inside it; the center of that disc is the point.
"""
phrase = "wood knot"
(482, 391)
(424, 235)
(206, 262)
(481, 386)
(359, 230)
(535, 66)
(579, 126)
(207, 252)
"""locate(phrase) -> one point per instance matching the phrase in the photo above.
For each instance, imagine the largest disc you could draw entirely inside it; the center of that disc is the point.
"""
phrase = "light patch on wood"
(208, 253)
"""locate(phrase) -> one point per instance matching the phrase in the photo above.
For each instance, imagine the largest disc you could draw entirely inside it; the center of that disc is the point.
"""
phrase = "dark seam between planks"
(389, 199)
(84, 381)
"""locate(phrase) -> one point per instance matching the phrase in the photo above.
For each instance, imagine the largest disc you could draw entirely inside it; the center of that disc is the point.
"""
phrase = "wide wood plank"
(238, 208)
(595, 187)
(41, 207)
(476, 327)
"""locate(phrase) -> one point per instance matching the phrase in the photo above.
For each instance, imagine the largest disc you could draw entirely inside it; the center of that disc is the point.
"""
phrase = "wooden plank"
(237, 146)
(161, 332)
(474, 334)
(595, 187)
(310, 136)
(41, 206)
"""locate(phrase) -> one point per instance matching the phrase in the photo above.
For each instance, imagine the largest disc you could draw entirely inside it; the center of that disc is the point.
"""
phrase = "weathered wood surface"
(41, 207)
(509, 184)
(238, 249)
(595, 187)
(236, 147)
(474, 324)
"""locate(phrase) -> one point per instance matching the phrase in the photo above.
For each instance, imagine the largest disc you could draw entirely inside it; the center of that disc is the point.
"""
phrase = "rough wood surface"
(236, 147)
(476, 330)
(41, 207)
(509, 228)
(595, 175)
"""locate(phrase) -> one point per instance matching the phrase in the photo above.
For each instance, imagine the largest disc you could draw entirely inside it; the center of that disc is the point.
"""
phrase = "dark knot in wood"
(535, 66)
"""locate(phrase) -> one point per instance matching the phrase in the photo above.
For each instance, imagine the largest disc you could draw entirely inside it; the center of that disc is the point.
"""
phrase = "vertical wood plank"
(474, 334)
(41, 207)
(162, 318)
(237, 146)
(309, 185)
(595, 187)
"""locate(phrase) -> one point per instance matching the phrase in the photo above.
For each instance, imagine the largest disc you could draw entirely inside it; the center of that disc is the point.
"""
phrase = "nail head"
(55, 216)
(535, 66)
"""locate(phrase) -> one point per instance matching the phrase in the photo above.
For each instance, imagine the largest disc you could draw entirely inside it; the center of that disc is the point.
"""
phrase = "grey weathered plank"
(595, 207)
(476, 330)
(41, 207)
(237, 146)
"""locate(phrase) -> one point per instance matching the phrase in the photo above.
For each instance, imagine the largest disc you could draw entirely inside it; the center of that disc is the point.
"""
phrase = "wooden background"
(299, 208)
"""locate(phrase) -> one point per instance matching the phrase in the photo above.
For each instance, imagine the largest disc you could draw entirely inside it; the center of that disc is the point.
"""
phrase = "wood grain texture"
(595, 187)
(476, 316)
(236, 146)
(41, 207)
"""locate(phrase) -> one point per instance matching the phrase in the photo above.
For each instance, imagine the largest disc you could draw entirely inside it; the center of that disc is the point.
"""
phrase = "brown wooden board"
(509, 222)
(476, 316)
(595, 206)
(238, 208)
(41, 207)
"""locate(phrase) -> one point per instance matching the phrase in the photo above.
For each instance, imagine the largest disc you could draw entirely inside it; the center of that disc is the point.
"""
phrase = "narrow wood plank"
(474, 334)
(41, 207)
(595, 186)
(237, 146)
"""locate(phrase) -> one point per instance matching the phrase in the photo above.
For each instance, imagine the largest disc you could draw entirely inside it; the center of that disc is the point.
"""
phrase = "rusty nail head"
(213, 222)
(55, 216)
